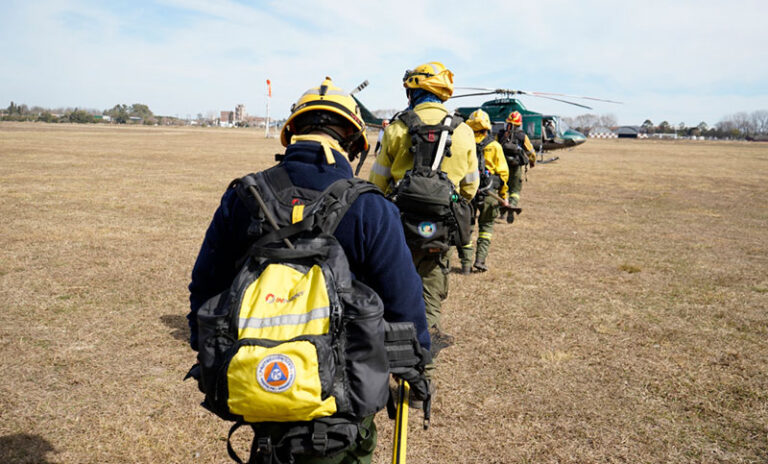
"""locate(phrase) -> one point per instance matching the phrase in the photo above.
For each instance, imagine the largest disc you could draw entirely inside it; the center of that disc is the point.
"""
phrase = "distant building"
(239, 113)
(668, 135)
(628, 132)
(602, 132)
(227, 119)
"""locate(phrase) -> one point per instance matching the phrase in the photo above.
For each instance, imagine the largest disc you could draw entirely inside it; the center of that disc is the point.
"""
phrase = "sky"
(680, 61)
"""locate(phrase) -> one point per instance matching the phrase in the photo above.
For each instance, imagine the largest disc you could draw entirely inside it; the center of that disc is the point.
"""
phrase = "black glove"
(407, 358)
(418, 383)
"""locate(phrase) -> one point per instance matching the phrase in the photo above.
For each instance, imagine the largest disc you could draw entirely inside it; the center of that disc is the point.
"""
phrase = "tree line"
(741, 125)
(137, 113)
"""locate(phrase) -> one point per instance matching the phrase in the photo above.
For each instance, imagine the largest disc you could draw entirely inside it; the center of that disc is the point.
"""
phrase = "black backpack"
(434, 215)
(486, 179)
(512, 143)
(297, 348)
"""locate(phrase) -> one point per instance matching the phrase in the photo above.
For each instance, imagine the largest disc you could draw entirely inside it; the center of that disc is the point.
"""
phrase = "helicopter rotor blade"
(558, 99)
(550, 95)
(474, 94)
(485, 89)
(492, 91)
(576, 96)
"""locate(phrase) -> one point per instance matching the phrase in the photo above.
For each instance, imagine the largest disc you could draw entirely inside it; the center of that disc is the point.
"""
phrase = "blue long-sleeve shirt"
(370, 234)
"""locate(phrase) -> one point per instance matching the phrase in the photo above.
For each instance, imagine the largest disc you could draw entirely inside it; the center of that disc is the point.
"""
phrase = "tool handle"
(441, 145)
(401, 423)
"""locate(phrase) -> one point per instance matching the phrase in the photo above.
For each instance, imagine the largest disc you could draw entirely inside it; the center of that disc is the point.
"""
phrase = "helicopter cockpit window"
(550, 130)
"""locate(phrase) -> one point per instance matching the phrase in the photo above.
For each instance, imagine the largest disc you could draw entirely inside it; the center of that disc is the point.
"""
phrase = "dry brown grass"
(629, 327)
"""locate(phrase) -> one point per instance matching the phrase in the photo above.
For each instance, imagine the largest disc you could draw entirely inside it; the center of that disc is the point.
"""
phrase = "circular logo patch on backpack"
(276, 373)
(427, 229)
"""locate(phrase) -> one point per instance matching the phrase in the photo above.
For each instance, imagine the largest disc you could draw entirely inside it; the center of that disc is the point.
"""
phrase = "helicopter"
(547, 132)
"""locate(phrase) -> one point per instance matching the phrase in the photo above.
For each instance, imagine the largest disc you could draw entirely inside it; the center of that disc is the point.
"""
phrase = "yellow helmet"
(479, 120)
(433, 77)
(323, 106)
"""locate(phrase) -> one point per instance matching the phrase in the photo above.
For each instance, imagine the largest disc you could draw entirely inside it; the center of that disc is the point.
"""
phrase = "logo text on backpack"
(271, 298)
(276, 373)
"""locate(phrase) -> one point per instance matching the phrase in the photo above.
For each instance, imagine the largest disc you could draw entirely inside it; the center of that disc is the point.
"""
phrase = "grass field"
(624, 318)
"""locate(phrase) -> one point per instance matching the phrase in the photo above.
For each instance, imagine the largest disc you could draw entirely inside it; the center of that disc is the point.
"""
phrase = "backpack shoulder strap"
(424, 137)
(338, 198)
(410, 118)
(274, 179)
(485, 142)
(327, 212)
(520, 137)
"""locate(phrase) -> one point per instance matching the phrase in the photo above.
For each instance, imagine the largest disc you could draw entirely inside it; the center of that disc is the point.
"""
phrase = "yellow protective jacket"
(496, 163)
(395, 158)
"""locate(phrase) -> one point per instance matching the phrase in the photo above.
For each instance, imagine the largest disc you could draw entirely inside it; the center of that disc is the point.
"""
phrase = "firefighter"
(323, 132)
(519, 152)
(494, 175)
(427, 86)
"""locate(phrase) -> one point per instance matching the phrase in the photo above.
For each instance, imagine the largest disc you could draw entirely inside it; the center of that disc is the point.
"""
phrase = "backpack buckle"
(264, 446)
(319, 442)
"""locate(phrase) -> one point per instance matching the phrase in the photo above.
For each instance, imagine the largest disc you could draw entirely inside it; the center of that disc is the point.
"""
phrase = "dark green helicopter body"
(547, 132)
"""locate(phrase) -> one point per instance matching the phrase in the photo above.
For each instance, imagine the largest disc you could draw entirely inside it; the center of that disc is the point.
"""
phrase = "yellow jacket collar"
(430, 105)
(326, 142)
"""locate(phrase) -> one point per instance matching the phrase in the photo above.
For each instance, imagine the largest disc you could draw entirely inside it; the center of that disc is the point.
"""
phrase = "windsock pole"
(269, 97)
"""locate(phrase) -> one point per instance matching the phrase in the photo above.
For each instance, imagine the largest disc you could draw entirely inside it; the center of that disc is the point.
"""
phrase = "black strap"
(289, 254)
(319, 437)
(363, 156)
(420, 133)
(333, 203)
(485, 142)
(230, 450)
(277, 178)
(304, 225)
(520, 137)
(342, 193)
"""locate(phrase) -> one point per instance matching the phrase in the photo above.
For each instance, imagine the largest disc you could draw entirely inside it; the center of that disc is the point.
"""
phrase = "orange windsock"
(269, 88)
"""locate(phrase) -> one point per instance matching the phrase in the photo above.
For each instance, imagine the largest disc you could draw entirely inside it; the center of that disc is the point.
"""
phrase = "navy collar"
(312, 153)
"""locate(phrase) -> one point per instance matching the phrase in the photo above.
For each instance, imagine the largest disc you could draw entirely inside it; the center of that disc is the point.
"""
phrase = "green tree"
(46, 116)
(664, 127)
(118, 113)
(80, 117)
(141, 110)
(648, 126)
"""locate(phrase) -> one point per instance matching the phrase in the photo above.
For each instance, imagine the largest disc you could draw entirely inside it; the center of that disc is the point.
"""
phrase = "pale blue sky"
(683, 61)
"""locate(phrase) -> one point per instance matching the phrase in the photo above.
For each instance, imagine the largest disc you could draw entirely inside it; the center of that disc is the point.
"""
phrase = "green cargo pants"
(489, 211)
(433, 269)
(361, 453)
